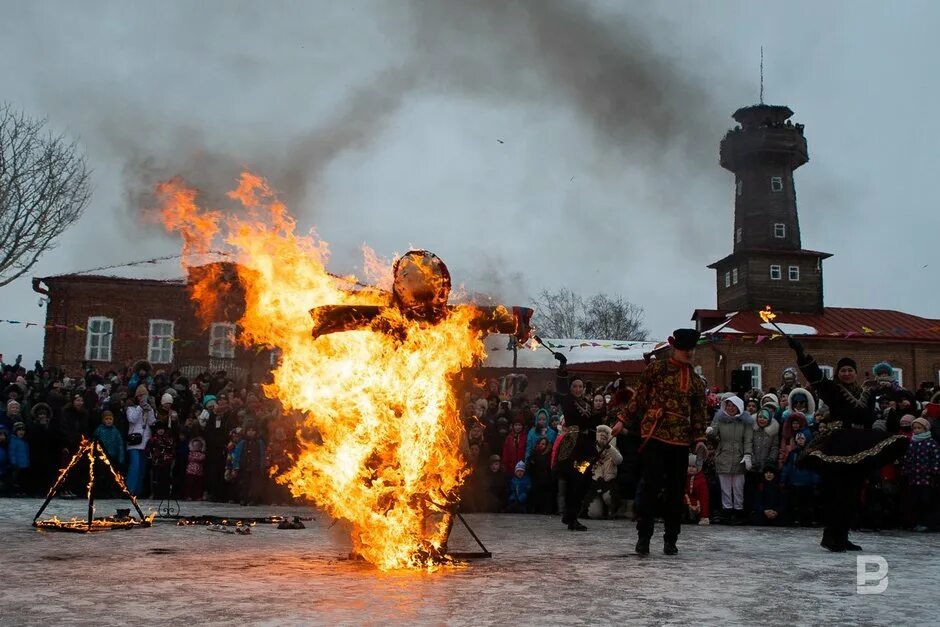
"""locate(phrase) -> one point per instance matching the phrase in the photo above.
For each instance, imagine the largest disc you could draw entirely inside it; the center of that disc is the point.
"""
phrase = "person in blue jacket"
(799, 483)
(19, 457)
(519, 487)
(540, 430)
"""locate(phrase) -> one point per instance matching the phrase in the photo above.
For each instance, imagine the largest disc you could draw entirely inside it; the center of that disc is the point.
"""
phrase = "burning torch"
(768, 315)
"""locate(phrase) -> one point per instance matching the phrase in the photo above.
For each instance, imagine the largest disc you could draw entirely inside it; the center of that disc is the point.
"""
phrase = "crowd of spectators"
(749, 475)
(172, 437)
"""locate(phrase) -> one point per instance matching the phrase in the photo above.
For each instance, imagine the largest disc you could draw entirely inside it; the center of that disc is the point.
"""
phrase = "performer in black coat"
(576, 451)
(847, 448)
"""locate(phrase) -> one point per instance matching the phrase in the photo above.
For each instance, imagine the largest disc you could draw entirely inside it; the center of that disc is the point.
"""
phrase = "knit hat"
(883, 368)
(166, 399)
(846, 361)
(11, 404)
(736, 401)
(917, 421)
(769, 399)
(517, 419)
(18, 426)
(932, 410)
(907, 420)
(693, 459)
(494, 458)
(106, 412)
(520, 466)
(604, 429)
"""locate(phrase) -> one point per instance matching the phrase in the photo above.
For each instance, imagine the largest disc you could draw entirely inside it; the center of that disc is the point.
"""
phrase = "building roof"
(777, 252)
(583, 355)
(835, 322)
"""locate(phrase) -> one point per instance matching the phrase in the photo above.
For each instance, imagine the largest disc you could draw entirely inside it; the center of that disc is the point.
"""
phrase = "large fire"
(385, 454)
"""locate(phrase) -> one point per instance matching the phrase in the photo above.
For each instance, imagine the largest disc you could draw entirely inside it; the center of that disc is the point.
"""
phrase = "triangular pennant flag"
(760, 338)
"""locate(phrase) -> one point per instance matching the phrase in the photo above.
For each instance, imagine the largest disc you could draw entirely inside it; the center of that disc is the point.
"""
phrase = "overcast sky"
(380, 122)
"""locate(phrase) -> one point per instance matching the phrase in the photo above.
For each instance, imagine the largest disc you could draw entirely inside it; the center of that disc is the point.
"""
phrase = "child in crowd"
(921, 465)
(495, 486)
(734, 457)
(603, 492)
(231, 473)
(768, 505)
(19, 459)
(696, 495)
(514, 446)
(160, 452)
(195, 484)
(794, 423)
(800, 484)
(519, 487)
(112, 442)
(4, 462)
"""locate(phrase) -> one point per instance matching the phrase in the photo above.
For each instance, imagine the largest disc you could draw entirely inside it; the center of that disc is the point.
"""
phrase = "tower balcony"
(779, 141)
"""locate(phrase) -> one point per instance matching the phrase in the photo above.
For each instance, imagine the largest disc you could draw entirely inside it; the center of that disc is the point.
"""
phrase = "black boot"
(643, 546)
(831, 541)
(574, 525)
(670, 548)
(847, 544)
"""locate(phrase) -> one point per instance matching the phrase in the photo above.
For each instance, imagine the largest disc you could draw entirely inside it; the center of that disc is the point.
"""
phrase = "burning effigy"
(370, 368)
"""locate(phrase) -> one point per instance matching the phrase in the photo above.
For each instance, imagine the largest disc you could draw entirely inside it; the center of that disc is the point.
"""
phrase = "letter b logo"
(871, 581)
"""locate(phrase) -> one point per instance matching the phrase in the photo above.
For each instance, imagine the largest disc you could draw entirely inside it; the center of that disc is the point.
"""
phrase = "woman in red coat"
(514, 447)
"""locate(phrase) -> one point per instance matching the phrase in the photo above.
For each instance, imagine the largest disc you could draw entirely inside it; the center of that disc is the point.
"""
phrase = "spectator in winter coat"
(519, 487)
(539, 470)
(540, 430)
(19, 458)
(514, 447)
(696, 495)
(110, 438)
(920, 466)
(160, 452)
(734, 457)
(602, 496)
(768, 506)
(194, 484)
(801, 400)
(799, 483)
(495, 486)
(794, 423)
(249, 458)
(766, 451)
(140, 420)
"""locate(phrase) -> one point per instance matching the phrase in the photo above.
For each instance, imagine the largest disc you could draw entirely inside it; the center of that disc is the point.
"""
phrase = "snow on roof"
(791, 329)
(499, 352)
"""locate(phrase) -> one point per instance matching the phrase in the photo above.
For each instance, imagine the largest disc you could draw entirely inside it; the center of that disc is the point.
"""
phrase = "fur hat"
(770, 399)
(41, 407)
(907, 420)
(883, 369)
(520, 466)
(684, 339)
(846, 361)
(917, 421)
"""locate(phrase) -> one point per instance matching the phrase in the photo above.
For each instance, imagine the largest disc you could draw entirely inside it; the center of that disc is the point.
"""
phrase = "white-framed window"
(756, 378)
(780, 230)
(899, 376)
(793, 273)
(98, 338)
(776, 183)
(222, 340)
(161, 342)
(727, 279)
(734, 276)
(775, 273)
(827, 371)
(738, 233)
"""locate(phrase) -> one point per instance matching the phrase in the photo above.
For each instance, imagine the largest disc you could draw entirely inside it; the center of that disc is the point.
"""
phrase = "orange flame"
(767, 314)
(385, 451)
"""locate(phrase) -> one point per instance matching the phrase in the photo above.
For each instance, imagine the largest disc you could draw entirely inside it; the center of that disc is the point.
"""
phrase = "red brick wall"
(131, 304)
(918, 361)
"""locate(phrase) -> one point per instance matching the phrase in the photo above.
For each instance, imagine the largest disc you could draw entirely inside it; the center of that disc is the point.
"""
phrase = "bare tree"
(565, 314)
(44, 187)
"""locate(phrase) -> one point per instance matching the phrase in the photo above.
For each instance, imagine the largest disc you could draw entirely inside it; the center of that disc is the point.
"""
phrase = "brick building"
(112, 322)
(769, 266)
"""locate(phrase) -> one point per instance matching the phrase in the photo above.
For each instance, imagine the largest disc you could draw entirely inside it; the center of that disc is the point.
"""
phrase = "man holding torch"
(669, 416)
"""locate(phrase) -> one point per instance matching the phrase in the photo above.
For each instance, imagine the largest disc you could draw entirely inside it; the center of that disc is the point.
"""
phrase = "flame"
(767, 314)
(381, 443)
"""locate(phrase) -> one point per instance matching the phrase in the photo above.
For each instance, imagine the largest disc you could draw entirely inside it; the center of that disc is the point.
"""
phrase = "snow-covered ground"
(540, 574)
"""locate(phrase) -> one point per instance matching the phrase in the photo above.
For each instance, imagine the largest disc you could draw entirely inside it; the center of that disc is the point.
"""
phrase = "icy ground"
(540, 574)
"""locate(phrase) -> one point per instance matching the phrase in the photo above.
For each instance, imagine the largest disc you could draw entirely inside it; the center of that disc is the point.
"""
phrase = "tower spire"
(762, 75)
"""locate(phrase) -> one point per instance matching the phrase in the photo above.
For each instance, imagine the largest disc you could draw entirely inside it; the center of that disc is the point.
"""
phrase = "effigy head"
(421, 282)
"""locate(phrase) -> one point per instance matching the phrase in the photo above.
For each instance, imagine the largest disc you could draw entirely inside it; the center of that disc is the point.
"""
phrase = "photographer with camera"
(141, 418)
